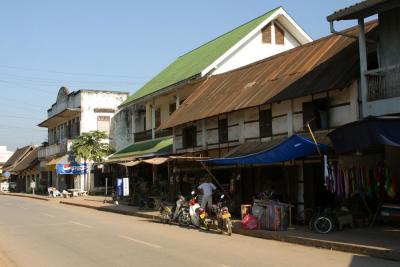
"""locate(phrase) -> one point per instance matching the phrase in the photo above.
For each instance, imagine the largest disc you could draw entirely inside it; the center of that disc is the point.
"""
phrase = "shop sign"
(71, 168)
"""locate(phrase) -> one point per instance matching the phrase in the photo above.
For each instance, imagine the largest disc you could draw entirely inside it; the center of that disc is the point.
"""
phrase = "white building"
(151, 105)
(73, 114)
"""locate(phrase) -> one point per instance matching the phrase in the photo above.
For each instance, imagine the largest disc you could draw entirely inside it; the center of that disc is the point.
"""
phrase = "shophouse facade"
(311, 88)
(72, 114)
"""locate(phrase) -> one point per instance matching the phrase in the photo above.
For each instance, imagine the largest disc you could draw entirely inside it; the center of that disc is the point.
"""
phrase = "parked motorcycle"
(323, 221)
(198, 215)
(223, 216)
(180, 212)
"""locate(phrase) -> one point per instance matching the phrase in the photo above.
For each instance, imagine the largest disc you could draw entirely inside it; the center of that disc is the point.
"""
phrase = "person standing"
(207, 188)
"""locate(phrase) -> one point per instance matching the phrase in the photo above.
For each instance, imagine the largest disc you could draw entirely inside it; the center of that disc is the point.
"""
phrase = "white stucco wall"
(254, 50)
(343, 109)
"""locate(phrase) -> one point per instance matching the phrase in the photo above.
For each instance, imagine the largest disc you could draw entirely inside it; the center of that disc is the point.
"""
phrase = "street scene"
(222, 134)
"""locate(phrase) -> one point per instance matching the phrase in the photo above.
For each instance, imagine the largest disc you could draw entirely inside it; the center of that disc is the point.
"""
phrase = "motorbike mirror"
(193, 193)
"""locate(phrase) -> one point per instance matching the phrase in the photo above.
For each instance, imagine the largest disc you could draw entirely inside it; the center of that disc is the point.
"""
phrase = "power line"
(67, 73)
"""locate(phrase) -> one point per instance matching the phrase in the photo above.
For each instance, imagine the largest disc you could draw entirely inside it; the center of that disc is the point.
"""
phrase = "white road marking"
(140, 241)
(48, 215)
(81, 224)
(223, 265)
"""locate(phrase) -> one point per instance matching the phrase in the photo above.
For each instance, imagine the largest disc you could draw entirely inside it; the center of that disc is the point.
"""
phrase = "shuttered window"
(103, 124)
(223, 130)
(189, 137)
(279, 35)
(265, 117)
(316, 114)
(158, 117)
(266, 34)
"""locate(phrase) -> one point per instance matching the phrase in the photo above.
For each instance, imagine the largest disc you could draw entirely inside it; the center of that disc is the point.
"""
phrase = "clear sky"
(113, 45)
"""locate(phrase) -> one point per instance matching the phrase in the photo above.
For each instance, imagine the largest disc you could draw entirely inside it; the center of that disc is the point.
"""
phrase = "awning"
(366, 134)
(130, 163)
(155, 161)
(291, 148)
(52, 164)
(67, 113)
(149, 148)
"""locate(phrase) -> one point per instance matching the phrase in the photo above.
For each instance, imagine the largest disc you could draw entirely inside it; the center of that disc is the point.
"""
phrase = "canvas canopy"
(291, 148)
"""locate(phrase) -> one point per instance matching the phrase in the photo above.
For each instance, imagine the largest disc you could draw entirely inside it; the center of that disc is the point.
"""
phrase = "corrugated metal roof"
(363, 9)
(194, 62)
(18, 155)
(29, 161)
(326, 64)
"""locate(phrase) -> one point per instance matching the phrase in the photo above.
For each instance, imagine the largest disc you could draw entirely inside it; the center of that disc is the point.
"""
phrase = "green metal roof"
(195, 61)
(159, 146)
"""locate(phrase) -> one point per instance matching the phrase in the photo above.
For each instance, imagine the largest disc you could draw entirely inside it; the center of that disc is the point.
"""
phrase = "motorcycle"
(223, 216)
(198, 215)
(180, 212)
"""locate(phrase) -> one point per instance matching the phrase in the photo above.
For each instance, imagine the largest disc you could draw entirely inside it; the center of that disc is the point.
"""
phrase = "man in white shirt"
(207, 188)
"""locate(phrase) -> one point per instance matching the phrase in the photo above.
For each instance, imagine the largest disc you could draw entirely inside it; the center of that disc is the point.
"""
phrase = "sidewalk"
(380, 242)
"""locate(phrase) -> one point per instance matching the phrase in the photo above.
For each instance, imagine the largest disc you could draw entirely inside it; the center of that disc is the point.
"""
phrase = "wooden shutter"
(266, 34)
(265, 122)
(223, 130)
(279, 35)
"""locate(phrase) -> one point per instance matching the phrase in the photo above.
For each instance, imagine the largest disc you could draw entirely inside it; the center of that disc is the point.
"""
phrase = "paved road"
(37, 233)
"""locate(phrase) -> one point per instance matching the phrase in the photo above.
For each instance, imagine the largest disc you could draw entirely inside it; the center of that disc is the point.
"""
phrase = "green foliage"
(91, 146)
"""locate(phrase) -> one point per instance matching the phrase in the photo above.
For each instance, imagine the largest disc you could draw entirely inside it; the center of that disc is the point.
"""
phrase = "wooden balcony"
(383, 83)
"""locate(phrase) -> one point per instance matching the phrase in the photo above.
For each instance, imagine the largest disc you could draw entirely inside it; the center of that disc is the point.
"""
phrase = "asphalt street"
(37, 233)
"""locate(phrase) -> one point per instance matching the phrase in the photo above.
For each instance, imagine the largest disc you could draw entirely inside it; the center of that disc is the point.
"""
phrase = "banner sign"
(71, 168)
(126, 186)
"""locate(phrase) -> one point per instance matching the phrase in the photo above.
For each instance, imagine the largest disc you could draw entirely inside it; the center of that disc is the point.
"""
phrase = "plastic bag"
(249, 222)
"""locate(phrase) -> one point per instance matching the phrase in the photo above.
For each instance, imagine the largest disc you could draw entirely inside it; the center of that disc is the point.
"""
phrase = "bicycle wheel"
(323, 224)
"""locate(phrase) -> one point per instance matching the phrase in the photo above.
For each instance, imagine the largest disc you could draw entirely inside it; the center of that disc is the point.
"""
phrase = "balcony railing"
(55, 149)
(143, 136)
(383, 83)
(163, 133)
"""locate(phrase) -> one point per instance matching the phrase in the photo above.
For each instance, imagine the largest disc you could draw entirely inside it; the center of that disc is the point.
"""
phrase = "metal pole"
(105, 197)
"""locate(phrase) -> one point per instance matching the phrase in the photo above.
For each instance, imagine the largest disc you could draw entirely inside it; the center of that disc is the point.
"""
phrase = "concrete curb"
(112, 210)
(386, 254)
(26, 196)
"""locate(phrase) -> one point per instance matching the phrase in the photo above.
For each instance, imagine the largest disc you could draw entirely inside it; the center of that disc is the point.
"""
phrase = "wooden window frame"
(266, 34)
(279, 35)
(223, 131)
(189, 137)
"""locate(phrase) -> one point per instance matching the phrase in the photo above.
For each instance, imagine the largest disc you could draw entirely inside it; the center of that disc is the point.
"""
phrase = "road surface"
(37, 233)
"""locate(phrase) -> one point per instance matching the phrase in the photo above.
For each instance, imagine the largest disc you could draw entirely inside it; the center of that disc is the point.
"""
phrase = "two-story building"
(74, 113)
(257, 108)
(135, 130)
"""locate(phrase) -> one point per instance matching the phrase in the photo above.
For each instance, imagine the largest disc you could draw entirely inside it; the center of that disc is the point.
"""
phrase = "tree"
(90, 146)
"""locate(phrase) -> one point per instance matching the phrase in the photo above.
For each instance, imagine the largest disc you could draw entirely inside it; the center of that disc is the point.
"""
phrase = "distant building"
(73, 114)
(4, 156)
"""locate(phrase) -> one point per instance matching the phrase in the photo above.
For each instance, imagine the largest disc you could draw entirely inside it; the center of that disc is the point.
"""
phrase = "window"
(223, 130)
(172, 108)
(265, 117)
(189, 137)
(103, 124)
(279, 35)
(316, 113)
(158, 117)
(266, 34)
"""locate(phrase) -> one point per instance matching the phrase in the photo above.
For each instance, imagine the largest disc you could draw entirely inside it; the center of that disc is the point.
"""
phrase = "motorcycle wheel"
(323, 224)
(228, 226)
(184, 219)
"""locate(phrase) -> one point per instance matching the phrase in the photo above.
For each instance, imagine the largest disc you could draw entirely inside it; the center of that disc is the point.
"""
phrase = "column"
(290, 119)
(153, 119)
(363, 65)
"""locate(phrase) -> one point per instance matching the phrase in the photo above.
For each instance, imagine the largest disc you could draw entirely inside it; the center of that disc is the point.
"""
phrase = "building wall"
(254, 50)
(287, 119)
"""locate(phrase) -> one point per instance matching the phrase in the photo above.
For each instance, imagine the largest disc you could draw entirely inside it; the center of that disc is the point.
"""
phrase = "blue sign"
(71, 168)
(7, 174)
(119, 187)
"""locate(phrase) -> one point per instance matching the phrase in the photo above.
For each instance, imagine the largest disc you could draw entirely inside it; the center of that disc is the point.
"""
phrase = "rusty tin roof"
(325, 64)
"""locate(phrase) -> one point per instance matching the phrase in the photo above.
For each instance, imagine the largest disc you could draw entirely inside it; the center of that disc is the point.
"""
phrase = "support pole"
(215, 179)
(313, 137)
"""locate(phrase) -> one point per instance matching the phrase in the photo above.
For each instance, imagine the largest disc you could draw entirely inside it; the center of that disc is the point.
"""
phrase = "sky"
(113, 45)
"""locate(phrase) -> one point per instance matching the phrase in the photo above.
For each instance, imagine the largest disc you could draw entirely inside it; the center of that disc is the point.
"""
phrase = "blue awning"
(291, 148)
